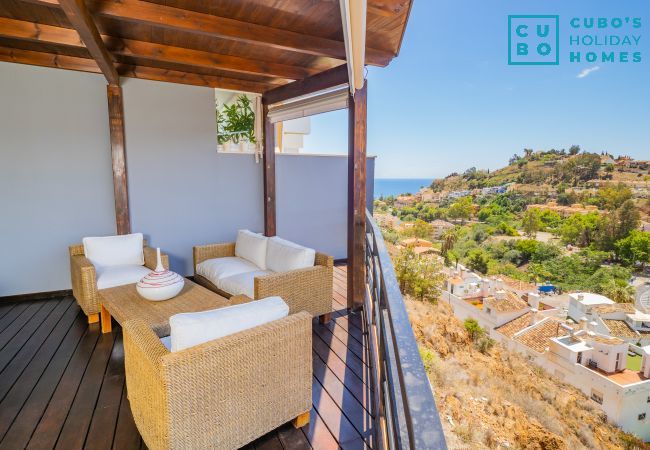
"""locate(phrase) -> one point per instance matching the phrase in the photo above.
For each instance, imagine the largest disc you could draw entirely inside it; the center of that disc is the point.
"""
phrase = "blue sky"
(450, 100)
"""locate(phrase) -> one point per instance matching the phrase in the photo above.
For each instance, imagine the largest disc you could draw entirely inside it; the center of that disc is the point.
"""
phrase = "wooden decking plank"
(20, 376)
(318, 435)
(5, 308)
(49, 427)
(342, 395)
(352, 344)
(28, 341)
(126, 433)
(55, 352)
(270, 441)
(11, 315)
(20, 321)
(292, 438)
(343, 322)
(336, 422)
(75, 428)
(104, 420)
(333, 360)
(353, 410)
(350, 359)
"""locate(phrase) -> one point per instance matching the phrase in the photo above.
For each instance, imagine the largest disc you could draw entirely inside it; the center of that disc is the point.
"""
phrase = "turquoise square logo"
(533, 40)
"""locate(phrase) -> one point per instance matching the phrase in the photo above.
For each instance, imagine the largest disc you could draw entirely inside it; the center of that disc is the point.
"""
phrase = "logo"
(533, 40)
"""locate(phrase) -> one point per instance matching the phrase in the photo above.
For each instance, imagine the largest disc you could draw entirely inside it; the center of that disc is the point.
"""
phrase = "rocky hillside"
(499, 400)
(549, 168)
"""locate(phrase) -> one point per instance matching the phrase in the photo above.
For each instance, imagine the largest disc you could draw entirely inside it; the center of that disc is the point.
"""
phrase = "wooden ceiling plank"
(19, 29)
(167, 17)
(323, 80)
(79, 17)
(43, 59)
(20, 56)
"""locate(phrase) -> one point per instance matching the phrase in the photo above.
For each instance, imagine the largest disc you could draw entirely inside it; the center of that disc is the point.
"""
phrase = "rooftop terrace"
(62, 382)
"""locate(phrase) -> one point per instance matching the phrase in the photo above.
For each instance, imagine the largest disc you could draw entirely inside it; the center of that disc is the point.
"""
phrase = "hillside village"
(546, 259)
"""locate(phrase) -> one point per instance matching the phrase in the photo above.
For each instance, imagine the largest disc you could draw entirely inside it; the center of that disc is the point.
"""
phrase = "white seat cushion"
(252, 247)
(217, 268)
(242, 283)
(190, 329)
(112, 276)
(283, 256)
(107, 251)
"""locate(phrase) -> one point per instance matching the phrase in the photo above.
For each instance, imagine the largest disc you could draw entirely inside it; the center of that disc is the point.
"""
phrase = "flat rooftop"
(589, 298)
(623, 378)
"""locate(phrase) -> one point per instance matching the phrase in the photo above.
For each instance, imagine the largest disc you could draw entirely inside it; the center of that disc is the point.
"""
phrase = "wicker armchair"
(84, 278)
(221, 394)
(307, 289)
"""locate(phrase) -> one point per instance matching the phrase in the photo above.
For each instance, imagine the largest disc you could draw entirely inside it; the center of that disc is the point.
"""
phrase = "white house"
(581, 304)
(594, 363)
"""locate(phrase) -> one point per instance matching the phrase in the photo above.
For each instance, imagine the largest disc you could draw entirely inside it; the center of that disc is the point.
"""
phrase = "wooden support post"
(269, 172)
(118, 152)
(357, 117)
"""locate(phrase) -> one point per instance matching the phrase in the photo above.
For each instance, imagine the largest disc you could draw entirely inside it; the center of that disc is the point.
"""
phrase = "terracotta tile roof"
(611, 340)
(513, 327)
(619, 328)
(627, 308)
(511, 302)
(416, 242)
(537, 337)
(456, 280)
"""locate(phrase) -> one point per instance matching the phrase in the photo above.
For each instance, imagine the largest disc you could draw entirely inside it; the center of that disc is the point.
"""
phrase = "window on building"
(641, 416)
(597, 396)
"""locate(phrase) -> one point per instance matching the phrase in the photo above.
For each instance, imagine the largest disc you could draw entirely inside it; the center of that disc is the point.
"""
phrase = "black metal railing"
(405, 410)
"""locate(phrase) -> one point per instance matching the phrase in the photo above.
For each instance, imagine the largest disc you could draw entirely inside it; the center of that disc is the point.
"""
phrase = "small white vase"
(243, 145)
(161, 284)
(227, 146)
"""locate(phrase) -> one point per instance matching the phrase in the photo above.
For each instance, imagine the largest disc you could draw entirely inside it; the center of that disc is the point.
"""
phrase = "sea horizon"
(396, 186)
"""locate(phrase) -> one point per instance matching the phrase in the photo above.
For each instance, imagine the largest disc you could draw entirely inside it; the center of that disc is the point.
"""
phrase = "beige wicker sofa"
(221, 394)
(308, 289)
(84, 278)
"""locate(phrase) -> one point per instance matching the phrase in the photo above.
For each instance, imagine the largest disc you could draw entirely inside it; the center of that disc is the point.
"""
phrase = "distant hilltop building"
(405, 200)
(594, 349)
(564, 211)
(387, 220)
(440, 227)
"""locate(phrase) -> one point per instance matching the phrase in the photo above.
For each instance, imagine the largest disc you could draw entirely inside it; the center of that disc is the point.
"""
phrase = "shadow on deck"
(62, 382)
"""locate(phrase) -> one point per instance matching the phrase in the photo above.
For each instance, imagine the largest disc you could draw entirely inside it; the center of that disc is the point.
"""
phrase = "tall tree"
(531, 222)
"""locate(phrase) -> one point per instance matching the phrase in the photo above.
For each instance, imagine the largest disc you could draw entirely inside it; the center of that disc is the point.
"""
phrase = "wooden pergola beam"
(270, 224)
(167, 17)
(357, 123)
(35, 32)
(323, 80)
(118, 157)
(44, 59)
(79, 17)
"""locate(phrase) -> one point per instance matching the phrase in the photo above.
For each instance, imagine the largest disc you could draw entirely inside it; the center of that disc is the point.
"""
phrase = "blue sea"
(395, 186)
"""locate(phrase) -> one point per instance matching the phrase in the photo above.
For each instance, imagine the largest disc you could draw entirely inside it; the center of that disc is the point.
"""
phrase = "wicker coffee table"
(124, 303)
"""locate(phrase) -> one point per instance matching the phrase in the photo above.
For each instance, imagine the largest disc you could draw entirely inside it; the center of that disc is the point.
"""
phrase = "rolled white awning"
(316, 104)
(353, 15)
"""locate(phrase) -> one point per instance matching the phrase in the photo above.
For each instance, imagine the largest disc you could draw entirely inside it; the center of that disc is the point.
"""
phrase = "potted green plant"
(236, 123)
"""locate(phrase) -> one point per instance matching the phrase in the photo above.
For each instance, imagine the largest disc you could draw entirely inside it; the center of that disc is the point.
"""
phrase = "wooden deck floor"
(62, 382)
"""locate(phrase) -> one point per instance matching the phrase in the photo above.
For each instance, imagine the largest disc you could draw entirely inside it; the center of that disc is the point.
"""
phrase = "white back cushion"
(109, 251)
(190, 329)
(252, 247)
(283, 256)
